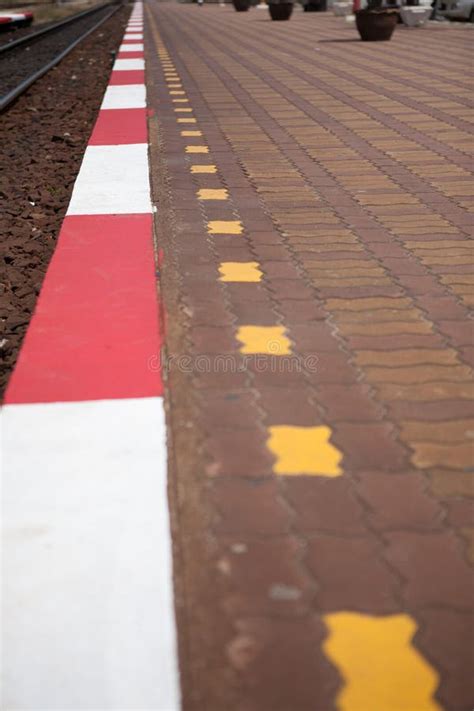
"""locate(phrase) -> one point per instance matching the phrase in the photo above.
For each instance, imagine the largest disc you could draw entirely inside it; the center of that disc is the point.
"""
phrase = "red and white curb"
(88, 618)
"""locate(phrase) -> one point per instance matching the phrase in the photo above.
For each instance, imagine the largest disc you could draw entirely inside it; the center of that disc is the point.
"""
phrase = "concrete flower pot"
(415, 16)
(342, 8)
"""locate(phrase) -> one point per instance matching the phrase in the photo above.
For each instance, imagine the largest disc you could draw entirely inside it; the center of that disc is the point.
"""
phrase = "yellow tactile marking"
(183, 110)
(175, 86)
(174, 92)
(239, 271)
(208, 194)
(304, 451)
(197, 149)
(381, 669)
(223, 227)
(186, 120)
(180, 101)
(271, 340)
(191, 133)
(203, 169)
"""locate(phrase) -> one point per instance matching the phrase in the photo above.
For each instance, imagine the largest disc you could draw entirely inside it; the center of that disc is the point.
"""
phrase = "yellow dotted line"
(297, 450)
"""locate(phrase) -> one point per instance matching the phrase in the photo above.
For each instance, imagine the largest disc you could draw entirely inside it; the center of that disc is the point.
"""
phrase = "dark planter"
(376, 25)
(280, 10)
(241, 5)
(315, 6)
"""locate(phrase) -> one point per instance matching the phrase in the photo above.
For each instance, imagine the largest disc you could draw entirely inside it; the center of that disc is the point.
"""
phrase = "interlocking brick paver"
(315, 221)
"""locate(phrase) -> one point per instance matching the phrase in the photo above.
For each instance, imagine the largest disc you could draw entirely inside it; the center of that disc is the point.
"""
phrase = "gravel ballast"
(44, 136)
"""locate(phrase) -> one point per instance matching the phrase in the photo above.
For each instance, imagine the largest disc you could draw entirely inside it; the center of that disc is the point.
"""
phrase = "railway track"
(27, 59)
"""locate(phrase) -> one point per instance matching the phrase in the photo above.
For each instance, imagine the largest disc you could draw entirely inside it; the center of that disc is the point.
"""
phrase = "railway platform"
(303, 326)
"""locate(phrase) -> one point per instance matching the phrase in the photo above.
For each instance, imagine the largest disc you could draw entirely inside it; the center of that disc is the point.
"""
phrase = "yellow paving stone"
(176, 92)
(191, 133)
(225, 227)
(212, 194)
(175, 86)
(447, 431)
(271, 340)
(203, 169)
(197, 149)
(180, 101)
(183, 110)
(451, 456)
(239, 271)
(381, 670)
(186, 120)
(304, 451)
(408, 356)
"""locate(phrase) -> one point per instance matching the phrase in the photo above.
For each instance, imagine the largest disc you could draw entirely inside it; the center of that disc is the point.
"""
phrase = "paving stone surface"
(314, 216)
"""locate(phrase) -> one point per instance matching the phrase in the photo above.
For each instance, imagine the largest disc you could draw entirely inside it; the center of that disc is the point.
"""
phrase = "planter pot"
(315, 6)
(280, 10)
(342, 8)
(415, 16)
(241, 5)
(376, 25)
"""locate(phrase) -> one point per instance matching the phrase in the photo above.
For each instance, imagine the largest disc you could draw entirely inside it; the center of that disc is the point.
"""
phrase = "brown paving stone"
(240, 453)
(460, 512)
(399, 501)
(248, 507)
(351, 574)
(264, 576)
(432, 391)
(348, 404)
(408, 357)
(326, 506)
(282, 665)
(446, 638)
(419, 374)
(444, 431)
(369, 446)
(283, 406)
(420, 557)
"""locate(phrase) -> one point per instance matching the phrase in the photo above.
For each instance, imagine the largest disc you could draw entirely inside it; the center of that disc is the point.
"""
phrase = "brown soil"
(44, 135)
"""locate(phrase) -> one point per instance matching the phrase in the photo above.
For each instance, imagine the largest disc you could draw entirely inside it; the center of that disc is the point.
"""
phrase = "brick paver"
(314, 212)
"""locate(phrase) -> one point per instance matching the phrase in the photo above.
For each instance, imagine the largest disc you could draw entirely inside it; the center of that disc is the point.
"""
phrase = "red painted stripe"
(130, 55)
(95, 333)
(132, 76)
(118, 126)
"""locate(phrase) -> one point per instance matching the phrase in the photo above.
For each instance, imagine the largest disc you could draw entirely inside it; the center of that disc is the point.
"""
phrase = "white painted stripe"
(132, 47)
(112, 180)
(133, 36)
(88, 619)
(126, 96)
(128, 64)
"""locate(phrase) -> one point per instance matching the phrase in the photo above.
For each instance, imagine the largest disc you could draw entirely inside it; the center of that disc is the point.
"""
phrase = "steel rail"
(14, 93)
